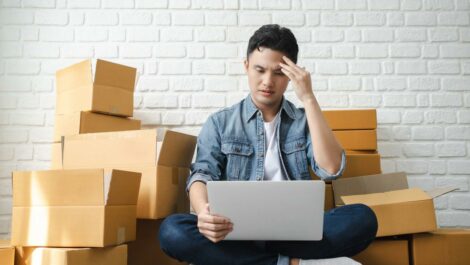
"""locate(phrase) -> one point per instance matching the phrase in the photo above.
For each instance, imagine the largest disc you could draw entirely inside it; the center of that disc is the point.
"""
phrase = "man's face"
(265, 78)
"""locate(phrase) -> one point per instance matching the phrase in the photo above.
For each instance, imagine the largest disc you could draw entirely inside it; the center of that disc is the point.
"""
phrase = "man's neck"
(269, 113)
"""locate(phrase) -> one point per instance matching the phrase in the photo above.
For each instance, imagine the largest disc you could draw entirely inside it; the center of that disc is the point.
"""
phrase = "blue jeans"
(347, 231)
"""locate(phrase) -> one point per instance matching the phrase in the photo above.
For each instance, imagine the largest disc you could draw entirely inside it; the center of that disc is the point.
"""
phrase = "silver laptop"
(270, 210)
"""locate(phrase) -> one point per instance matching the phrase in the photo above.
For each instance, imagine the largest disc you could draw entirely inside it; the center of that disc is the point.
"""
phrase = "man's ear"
(245, 64)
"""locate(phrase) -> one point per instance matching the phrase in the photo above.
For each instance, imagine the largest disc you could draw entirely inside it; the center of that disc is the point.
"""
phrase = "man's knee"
(172, 235)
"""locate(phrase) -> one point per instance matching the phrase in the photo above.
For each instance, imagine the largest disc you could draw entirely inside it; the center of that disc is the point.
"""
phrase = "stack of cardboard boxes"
(107, 173)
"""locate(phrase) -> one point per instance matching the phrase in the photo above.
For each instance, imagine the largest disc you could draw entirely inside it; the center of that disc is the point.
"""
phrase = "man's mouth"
(265, 91)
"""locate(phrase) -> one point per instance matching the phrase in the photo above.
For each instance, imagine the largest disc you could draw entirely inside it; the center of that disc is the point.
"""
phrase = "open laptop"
(270, 210)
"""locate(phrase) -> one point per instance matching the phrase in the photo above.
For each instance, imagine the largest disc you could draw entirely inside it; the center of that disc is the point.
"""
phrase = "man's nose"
(268, 79)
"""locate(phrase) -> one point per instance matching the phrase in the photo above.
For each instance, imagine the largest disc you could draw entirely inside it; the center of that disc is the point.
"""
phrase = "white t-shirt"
(272, 163)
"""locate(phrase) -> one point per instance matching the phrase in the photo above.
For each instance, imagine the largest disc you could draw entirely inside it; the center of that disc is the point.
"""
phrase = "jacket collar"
(250, 108)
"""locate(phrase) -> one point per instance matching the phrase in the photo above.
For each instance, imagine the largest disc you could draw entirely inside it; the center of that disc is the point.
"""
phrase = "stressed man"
(266, 138)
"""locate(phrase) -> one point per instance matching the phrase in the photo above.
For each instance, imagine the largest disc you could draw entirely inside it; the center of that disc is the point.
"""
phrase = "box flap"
(436, 192)
(123, 188)
(74, 76)
(390, 197)
(177, 149)
(4, 243)
(368, 184)
(115, 75)
(58, 187)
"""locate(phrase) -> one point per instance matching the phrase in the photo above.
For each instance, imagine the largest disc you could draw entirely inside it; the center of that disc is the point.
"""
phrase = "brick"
(6, 153)
(456, 84)
(454, 181)
(437, 167)
(388, 116)
(118, 3)
(427, 133)
(424, 84)
(91, 34)
(183, 4)
(197, 117)
(411, 5)
(369, 19)
(207, 4)
(405, 51)
(313, 19)
(135, 51)
(13, 136)
(391, 83)
(316, 51)
(221, 84)
(337, 19)
(187, 84)
(400, 100)
(455, 51)
(364, 67)
(460, 202)
(47, 102)
(464, 116)
(395, 19)
(289, 19)
(23, 67)
(5, 206)
(458, 133)
(136, 18)
(92, 4)
(43, 84)
(142, 34)
(188, 19)
(106, 51)
(463, 5)
(161, 101)
(254, 19)
(76, 51)
(412, 166)
(221, 19)
(302, 35)
(412, 117)
(248, 4)
(377, 35)
(172, 118)
(5, 187)
(318, 5)
(56, 34)
(425, 183)
(443, 35)
(411, 67)
(28, 102)
(366, 100)
(210, 34)
(333, 68)
(446, 100)
(372, 51)
(15, 83)
(326, 35)
(438, 5)
(41, 50)
(209, 67)
(430, 51)
(410, 35)
(351, 5)
(209, 100)
(28, 118)
(195, 51)
(440, 117)
(148, 117)
(465, 34)
(221, 51)
(101, 18)
(180, 34)
(274, 4)
(51, 18)
(345, 84)
(423, 100)
(39, 3)
(153, 84)
(443, 67)
(229, 4)
(387, 166)
(10, 50)
(76, 18)
(420, 19)
(418, 150)
(10, 34)
(185, 101)
(450, 149)
(401, 133)
(343, 51)
(384, 4)
(162, 18)
(387, 150)
(333, 100)
(16, 17)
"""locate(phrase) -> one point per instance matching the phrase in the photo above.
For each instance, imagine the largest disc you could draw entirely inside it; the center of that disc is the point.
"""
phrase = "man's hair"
(276, 38)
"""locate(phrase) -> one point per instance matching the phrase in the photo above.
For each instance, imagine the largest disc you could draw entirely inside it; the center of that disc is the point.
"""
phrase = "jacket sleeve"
(210, 161)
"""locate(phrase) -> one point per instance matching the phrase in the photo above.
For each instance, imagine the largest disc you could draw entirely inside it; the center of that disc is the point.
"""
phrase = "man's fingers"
(289, 68)
(289, 74)
(216, 227)
(218, 234)
(292, 64)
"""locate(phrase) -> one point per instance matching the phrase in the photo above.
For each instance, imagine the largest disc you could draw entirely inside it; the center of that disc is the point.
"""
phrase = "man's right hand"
(214, 227)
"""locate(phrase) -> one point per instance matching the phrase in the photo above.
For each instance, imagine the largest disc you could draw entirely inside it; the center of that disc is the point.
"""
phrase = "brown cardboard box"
(89, 122)
(443, 247)
(7, 253)
(385, 252)
(360, 163)
(72, 256)
(145, 250)
(399, 210)
(329, 198)
(74, 208)
(357, 139)
(56, 156)
(164, 164)
(351, 119)
(111, 92)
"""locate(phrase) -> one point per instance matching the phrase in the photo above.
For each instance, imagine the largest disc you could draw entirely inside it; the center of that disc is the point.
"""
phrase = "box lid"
(82, 187)
(390, 197)
(77, 75)
(115, 75)
(177, 150)
(4, 243)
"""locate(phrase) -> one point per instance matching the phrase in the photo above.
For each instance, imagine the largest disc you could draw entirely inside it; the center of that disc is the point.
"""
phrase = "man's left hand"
(300, 79)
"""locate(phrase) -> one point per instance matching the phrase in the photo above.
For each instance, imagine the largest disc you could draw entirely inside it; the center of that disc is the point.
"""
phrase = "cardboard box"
(7, 253)
(329, 198)
(56, 156)
(399, 209)
(145, 250)
(385, 252)
(74, 208)
(72, 256)
(351, 119)
(111, 92)
(443, 247)
(360, 164)
(164, 164)
(89, 122)
(357, 139)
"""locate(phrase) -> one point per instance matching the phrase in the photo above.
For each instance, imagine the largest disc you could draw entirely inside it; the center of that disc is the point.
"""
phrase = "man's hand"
(214, 227)
(300, 79)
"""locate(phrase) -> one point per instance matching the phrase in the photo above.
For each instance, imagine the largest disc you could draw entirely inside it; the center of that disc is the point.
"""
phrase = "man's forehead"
(266, 58)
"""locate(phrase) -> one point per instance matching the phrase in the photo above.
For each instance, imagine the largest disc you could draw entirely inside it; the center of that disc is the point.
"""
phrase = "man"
(265, 137)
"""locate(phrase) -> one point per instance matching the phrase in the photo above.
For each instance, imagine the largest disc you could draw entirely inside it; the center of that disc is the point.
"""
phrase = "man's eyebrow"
(259, 66)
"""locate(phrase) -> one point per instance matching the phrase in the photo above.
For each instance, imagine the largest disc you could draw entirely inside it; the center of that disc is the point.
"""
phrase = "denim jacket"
(231, 145)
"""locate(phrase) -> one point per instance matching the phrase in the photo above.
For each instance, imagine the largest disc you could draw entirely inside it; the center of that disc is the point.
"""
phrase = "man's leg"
(347, 230)
(180, 238)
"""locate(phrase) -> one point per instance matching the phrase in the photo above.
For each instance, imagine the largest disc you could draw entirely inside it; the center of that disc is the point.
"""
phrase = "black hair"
(276, 38)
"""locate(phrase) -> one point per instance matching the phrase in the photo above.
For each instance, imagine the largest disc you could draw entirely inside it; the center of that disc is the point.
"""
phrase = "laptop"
(270, 210)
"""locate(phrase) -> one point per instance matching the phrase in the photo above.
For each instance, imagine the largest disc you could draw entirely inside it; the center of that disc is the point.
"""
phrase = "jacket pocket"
(238, 157)
(295, 153)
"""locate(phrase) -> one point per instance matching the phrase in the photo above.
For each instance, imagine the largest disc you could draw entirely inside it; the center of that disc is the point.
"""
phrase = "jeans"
(347, 230)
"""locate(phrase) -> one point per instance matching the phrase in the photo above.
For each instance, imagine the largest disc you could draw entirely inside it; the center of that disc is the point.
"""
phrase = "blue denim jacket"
(231, 145)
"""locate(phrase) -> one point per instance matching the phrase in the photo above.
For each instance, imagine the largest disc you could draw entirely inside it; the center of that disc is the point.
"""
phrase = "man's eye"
(279, 73)
(259, 71)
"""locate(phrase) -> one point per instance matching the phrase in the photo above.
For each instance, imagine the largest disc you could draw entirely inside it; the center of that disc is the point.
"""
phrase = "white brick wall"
(409, 59)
